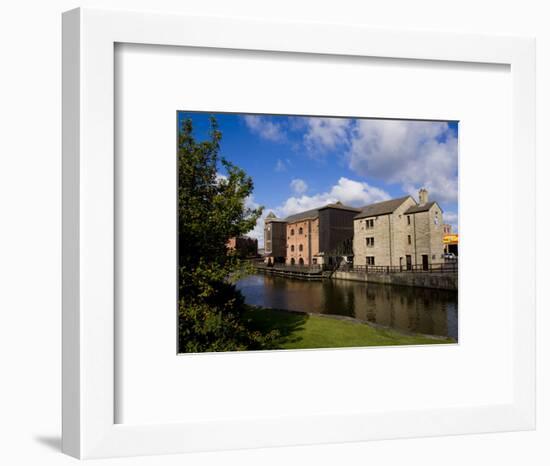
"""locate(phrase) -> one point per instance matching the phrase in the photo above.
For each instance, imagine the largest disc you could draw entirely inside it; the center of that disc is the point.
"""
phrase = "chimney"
(423, 196)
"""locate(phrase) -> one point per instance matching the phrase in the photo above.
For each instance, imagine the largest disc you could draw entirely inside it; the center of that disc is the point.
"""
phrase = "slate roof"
(340, 206)
(313, 213)
(419, 208)
(271, 217)
(302, 215)
(381, 208)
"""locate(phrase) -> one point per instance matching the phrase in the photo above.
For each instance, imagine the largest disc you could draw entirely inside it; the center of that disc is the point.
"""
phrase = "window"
(409, 239)
(300, 248)
(408, 219)
(292, 248)
(301, 231)
(370, 242)
(292, 232)
(370, 260)
(369, 223)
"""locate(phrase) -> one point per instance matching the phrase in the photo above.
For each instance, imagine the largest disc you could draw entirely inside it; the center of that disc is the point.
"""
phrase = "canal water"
(419, 310)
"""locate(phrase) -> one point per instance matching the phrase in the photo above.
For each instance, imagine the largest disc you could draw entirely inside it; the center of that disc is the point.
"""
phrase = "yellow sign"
(450, 239)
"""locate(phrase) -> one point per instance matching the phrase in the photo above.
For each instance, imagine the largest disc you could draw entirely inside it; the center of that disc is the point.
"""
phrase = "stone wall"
(398, 235)
(401, 228)
(381, 234)
(442, 281)
(390, 237)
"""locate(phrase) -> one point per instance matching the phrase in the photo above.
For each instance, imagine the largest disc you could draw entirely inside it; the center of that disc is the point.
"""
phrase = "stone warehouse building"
(274, 239)
(399, 232)
(314, 235)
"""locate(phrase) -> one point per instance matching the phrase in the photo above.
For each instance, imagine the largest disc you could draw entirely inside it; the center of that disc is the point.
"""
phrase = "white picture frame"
(89, 38)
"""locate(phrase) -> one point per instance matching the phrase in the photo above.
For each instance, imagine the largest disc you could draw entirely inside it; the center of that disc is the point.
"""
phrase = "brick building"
(243, 246)
(314, 236)
(399, 232)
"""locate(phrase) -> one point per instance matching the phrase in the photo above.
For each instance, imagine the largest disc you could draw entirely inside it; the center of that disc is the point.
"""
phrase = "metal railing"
(443, 267)
(291, 268)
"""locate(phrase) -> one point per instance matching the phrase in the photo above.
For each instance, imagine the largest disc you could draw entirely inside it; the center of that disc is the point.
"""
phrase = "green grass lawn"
(299, 331)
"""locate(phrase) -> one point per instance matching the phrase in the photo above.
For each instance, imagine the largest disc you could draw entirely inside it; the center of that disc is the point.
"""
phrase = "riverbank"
(442, 277)
(300, 330)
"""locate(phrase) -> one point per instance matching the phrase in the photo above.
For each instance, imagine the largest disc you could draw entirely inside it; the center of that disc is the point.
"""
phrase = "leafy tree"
(211, 209)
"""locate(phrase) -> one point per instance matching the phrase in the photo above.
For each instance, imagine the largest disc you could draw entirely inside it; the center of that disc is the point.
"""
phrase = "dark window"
(369, 223)
(301, 231)
(408, 219)
(370, 260)
(370, 242)
(409, 239)
(292, 232)
(300, 248)
(292, 248)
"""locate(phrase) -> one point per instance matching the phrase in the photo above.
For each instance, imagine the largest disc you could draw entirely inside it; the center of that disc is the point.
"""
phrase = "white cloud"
(265, 128)
(250, 202)
(349, 192)
(280, 166)
(220, 177)
(452, 219)
(298, 186)
(357, 193)
(258, 231)
(324, 134)
(413, 154)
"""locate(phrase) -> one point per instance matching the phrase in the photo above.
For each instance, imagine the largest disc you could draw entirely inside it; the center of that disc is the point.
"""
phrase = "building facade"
(302, 238)
(399, 232)
(450, 240)
(243, 246)
(274, 239)
(314, 237)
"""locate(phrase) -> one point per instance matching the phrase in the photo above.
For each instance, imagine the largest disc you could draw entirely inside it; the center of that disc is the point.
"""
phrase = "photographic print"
(301, 232)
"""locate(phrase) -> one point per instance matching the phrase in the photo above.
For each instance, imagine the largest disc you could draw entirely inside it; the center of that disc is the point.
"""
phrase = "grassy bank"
(300, 331)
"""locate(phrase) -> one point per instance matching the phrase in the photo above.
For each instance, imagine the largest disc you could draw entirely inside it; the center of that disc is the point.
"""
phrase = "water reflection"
(420, 310)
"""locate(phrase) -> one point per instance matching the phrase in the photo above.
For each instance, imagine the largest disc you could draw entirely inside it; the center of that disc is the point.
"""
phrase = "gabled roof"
(314, 213)
(340, 206)
(271, 217)
(381, 208)
(420, 208)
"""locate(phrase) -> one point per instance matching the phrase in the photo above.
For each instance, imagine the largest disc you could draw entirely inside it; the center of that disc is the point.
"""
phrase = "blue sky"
(298, 163)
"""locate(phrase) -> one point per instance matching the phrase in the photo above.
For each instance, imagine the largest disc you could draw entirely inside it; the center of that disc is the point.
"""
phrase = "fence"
(291, 268)
(444, 267)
